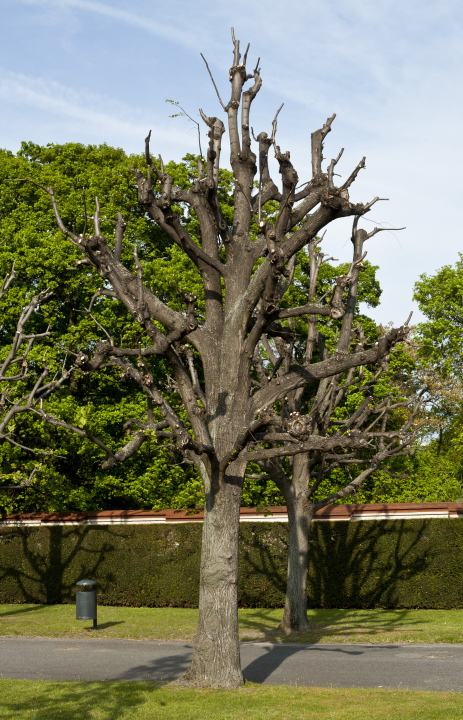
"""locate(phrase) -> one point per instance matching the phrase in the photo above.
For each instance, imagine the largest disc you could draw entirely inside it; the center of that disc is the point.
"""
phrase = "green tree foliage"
(433, 360)
(437, 350)
(438, 346)
(72, 478)
(440, 299)
(155, 477)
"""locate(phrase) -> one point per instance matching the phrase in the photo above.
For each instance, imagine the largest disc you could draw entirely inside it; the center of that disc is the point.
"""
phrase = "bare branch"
(299, 377)
(314, 443)
(213, 82)
(332, 165)
(25, 483)
(354, 174)
(120, 227)
(380, 229)
(7, 280)
(274, 124)
(317, 146)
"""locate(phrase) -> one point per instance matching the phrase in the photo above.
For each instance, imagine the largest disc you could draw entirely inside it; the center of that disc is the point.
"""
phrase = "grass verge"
(40, 700)
(373, 626)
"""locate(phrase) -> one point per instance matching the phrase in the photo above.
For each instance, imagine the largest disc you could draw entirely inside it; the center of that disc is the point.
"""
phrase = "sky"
(101, 72)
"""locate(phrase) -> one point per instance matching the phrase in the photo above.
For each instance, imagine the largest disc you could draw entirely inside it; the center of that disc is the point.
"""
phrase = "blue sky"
(93, 72)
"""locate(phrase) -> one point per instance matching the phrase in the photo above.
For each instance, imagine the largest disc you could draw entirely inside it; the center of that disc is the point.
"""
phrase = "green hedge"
(387, 563)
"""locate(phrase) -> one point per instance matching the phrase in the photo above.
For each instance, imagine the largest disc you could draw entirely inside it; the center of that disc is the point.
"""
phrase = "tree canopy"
(440, 337)
(437, 351)
(72, 477)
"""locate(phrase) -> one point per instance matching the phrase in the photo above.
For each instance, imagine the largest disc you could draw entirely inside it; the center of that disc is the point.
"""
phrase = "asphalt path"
(418, 667)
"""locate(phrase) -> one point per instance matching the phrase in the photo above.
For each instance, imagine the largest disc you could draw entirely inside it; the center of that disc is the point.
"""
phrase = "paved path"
(419, 667)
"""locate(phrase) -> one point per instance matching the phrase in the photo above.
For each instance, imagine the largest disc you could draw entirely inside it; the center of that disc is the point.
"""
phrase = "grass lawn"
(39, 700)
(372, 626)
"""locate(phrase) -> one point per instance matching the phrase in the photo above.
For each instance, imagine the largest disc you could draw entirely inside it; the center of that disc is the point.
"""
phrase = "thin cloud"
(142, 21)
(53, 97)
(101, 114)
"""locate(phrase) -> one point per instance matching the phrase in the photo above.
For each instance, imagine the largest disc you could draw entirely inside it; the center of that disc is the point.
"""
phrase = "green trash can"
(86, 601)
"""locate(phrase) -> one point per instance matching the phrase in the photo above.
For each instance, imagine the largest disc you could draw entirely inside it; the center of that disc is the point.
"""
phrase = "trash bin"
(86, 601)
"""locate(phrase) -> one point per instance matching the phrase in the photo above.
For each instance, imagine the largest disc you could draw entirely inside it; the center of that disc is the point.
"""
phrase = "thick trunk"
(216, 657)
(299, 520)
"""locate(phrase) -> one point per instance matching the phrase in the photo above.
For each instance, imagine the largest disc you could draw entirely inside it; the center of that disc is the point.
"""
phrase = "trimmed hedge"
(368, 564)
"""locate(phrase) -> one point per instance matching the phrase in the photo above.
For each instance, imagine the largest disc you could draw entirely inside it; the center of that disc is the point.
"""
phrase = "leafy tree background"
(437, 352)
(156, 477)
(73, 478)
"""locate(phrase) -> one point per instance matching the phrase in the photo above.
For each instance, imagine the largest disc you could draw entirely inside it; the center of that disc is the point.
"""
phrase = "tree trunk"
(299, 520)
(216, 656)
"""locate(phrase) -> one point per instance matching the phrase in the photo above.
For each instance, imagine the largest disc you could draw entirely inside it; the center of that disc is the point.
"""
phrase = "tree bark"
(299, 521)
(216, 657)
(300, 513)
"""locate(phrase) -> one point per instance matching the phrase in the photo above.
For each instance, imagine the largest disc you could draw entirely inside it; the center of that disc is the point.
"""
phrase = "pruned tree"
(375, 423)
(244, 266)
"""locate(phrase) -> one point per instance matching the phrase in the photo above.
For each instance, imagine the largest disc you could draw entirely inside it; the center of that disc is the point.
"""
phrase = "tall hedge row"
(388, 563)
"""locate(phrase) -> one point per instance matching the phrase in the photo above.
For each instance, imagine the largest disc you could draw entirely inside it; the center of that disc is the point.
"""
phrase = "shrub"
(368, 564)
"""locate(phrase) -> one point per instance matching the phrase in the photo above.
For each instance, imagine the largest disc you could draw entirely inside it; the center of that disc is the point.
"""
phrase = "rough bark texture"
(300, 513)
(216, 659)
(246, 267)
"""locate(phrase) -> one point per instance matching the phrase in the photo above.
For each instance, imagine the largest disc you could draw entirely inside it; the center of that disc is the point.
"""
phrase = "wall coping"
(371, 511)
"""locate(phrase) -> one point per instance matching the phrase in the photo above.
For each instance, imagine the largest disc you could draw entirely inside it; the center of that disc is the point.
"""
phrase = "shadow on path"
(164, 669)
(262, 667)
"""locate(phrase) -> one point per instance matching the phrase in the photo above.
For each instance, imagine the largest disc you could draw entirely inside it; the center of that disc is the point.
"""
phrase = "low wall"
(343, 513)
(374, 563)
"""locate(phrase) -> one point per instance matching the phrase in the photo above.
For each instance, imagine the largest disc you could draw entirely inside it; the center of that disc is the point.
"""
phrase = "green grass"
(39, 700)
(373, 626)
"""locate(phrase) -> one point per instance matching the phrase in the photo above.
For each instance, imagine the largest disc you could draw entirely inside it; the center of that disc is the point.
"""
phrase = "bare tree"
(346, 405)
(243, 266)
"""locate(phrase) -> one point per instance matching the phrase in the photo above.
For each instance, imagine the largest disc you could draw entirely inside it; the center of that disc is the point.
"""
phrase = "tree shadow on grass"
(326, 623)
(5, 613)
(40, 700)
(365, 623)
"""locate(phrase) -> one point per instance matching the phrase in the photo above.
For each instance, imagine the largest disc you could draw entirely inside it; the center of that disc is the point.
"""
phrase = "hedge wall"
(388, 563)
